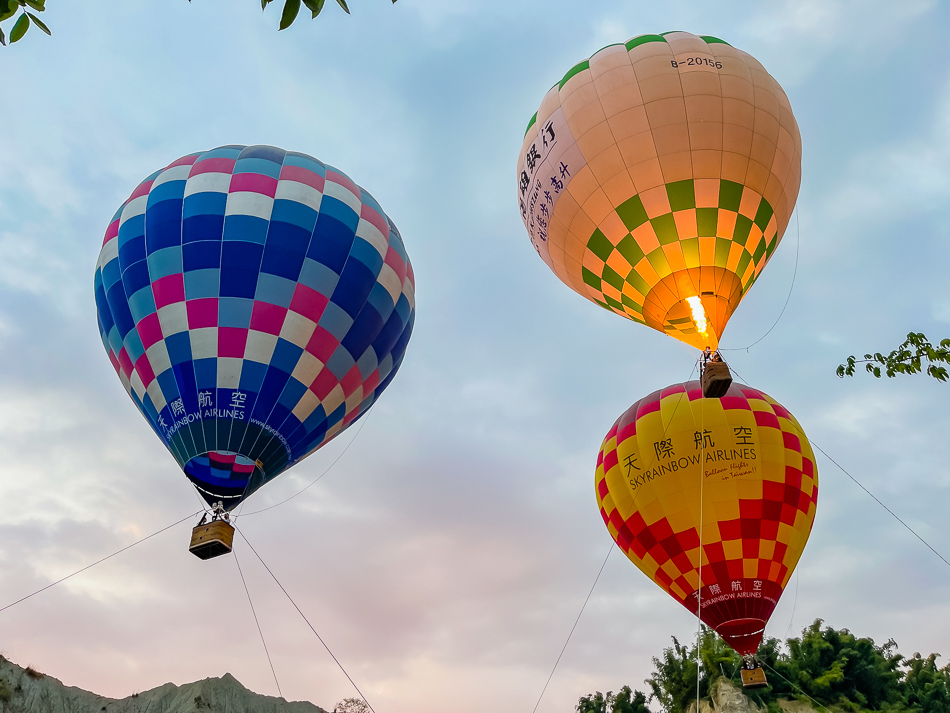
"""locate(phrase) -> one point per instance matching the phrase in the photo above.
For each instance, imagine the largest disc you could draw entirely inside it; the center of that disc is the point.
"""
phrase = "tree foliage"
(9, 8)
(292, 8)
(625, 701)
(673, 682)
(833, 666)
(352, 705)
(25, 18)
(824, 666)
(927, 688)
(908, 358)
(674, 679)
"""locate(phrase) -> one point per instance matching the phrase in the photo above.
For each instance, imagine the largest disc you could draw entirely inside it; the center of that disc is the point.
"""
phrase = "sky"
(453, 535)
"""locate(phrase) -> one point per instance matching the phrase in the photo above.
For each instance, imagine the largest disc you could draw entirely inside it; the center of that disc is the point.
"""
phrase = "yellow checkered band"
(658, 177)
(738, 234)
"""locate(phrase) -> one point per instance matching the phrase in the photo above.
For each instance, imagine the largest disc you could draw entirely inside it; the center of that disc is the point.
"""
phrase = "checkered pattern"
(668, 168)
(254, 302)
(736, 235)
(730, 483)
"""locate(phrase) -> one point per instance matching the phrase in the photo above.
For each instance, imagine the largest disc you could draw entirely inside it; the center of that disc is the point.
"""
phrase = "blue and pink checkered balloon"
(254, 303)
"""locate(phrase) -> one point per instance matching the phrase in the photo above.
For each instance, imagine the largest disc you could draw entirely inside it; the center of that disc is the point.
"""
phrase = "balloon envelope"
(658, 177)
(254, 303)
(713, 499)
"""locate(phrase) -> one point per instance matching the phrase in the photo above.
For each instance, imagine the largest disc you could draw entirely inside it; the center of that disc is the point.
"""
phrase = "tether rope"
(256, 621)
(597, 578)
(699, 583)
(363, 421)
(791, 619)
(90, 566)
(794, 685)
(878, 501)
(564, 648)
(860, 485)
(304, 617)
(798, 243)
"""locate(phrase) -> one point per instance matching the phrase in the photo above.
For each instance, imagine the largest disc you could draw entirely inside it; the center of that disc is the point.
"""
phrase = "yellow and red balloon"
(713, 499)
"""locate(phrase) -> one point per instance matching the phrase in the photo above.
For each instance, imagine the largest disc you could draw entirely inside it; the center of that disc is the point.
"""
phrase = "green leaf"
(291, 8)
(342, 3)
(39, 23)
(315, 6)
(3, 39)
(8, 9)
(264, 4)
(38, 6)
(20, 28)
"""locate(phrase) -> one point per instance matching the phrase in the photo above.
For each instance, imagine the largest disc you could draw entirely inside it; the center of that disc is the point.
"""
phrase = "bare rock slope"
(726, 698)
(27, 691)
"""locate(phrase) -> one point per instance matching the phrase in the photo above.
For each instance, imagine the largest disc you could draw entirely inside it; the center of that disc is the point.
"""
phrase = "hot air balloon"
(658, 177)
(254, 302)
(713, 499)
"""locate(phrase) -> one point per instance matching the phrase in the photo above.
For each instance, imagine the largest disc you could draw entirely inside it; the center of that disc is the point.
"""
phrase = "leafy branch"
(352, 705)
(908, 358)
(8, 8)
(626, 701)
(292, 7)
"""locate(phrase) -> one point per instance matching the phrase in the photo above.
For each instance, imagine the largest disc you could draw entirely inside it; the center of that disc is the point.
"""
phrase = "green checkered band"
(629, 44)
(742, 226)
(576, 69)
(534, 120)
(642, 40)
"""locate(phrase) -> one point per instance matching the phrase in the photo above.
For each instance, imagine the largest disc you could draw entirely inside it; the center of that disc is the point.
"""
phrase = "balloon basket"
(754, 678)
(715, 379)
(211, 540)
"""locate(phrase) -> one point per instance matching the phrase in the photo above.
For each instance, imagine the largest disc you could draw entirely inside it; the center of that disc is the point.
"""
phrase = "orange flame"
(699, 314)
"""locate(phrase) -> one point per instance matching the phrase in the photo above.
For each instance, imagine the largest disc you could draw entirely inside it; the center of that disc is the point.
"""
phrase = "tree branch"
(908, 358)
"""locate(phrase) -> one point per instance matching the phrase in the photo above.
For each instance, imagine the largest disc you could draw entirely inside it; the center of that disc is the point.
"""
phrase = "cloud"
(447, 552)
(804, 37)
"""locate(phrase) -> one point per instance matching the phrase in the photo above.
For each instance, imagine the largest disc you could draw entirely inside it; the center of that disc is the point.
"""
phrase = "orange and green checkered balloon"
(713, 499)
(658, 177)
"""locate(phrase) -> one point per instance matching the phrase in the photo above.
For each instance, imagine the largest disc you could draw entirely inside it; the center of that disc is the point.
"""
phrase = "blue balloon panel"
(254, 303)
